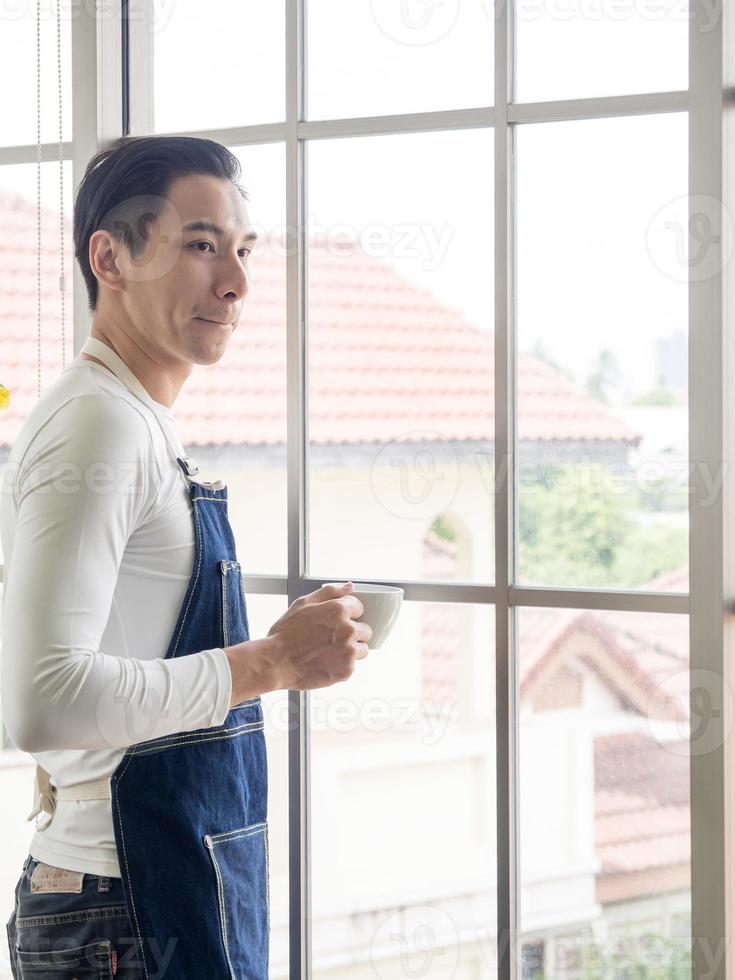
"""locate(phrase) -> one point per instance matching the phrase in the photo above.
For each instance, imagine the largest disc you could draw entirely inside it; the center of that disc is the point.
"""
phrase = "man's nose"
(235, 280)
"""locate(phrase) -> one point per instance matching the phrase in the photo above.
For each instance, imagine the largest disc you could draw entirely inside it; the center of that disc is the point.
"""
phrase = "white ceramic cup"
(382, 603)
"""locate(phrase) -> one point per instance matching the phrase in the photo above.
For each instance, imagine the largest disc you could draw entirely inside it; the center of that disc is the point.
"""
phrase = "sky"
(600, 205)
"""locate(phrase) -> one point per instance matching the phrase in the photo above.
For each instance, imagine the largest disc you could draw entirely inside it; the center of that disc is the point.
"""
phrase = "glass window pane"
(218, 64)
(232, 414)
(19, 334)
(583, 50)
(602, 368)
(379, 57)
(604, 792)
(403, 802)
(18, 73)
(263, 611)
(19, 289)
(399, 311)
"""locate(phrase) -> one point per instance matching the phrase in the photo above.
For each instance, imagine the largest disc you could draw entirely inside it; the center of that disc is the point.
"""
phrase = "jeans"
(66, 935)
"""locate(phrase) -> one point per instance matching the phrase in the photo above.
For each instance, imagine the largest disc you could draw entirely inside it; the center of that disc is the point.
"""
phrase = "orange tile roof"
(641, 801)
(642, 818)
(385, 356)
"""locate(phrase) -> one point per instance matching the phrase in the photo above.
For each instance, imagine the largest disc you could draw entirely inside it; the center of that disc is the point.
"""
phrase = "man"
(127, 670)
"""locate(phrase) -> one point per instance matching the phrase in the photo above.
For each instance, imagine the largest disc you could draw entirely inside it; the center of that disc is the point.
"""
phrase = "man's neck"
(161, 384)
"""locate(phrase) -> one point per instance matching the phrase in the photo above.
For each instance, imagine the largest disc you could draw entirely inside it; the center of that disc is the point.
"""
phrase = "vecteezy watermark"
(423, 718)
(155, 14)
(150, 227)
(428, 941)
(615, 955)
(700, 704)
(423, 937)
(126, 717)
(416, 476)
(690, 238)
(68, 477)
(422, 242)
(414, 22)
(423, 22)
(656, 477)
(598, 11)
(140, 702)
(406, 22)
(52, 957)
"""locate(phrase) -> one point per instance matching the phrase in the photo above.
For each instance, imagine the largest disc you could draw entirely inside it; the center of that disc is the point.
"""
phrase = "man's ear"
(104, 250)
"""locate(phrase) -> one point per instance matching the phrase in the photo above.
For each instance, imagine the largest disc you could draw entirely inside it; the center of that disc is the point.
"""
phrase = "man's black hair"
(124, 186)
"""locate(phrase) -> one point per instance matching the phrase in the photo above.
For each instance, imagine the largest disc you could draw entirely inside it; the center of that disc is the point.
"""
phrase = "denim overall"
(190, 809)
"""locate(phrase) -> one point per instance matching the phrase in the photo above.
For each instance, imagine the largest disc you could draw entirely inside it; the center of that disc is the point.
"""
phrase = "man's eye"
(247, 251)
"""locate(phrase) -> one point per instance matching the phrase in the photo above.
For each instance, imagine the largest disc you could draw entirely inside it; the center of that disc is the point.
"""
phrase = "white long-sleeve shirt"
(98, 544)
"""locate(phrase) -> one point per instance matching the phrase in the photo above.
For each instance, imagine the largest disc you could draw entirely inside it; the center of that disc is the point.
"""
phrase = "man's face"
(189, 277)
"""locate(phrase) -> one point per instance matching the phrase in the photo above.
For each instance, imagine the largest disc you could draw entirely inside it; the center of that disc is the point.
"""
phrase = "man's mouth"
(219, 323)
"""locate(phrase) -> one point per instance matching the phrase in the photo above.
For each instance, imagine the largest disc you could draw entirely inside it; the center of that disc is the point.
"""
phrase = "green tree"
(659, 396)
(575, 530)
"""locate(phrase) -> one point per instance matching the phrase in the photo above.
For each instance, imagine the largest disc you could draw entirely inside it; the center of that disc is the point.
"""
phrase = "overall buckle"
(188, 465)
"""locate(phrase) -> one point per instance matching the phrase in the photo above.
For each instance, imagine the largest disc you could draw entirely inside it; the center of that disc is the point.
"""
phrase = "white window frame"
(97, 120)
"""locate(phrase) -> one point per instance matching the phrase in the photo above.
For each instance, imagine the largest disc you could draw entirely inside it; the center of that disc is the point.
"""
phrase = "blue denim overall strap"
(190, 809)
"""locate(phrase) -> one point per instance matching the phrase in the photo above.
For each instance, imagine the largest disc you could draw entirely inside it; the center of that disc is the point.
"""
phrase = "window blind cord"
(62, 283)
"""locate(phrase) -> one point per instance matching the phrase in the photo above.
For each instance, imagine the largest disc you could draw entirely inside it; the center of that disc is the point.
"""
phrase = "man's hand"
(314, 644)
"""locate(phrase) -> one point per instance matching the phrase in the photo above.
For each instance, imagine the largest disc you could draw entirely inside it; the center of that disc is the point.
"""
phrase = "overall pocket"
(240, 868)
(233, 607)
(92, 960)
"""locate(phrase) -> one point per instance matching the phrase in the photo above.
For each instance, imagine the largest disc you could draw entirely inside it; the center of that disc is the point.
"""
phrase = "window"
(491, 278)
(36, 332)
(36, 327)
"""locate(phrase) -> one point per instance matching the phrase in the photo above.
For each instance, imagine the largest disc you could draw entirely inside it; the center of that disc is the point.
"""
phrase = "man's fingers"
(328, 591)
(364, 632)
(354, 605)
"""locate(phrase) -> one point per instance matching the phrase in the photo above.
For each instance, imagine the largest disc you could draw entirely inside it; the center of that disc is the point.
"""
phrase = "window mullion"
(711, 445)
(141, 26)
(299, 777)
(96, 111)
(505, 684)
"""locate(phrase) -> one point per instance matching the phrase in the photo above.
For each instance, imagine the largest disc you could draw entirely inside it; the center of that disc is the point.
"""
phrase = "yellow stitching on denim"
(255, 828)
(250, 833)
(127, 875)
(267, 879)
(162, 739)
(222, 910)
(223, 570)
(196, 577)
(258, 726)
(81, 915)
(192, 736)
(55, 959)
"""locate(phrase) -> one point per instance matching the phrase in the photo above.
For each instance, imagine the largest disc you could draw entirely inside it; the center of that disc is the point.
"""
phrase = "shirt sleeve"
(80, 489)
